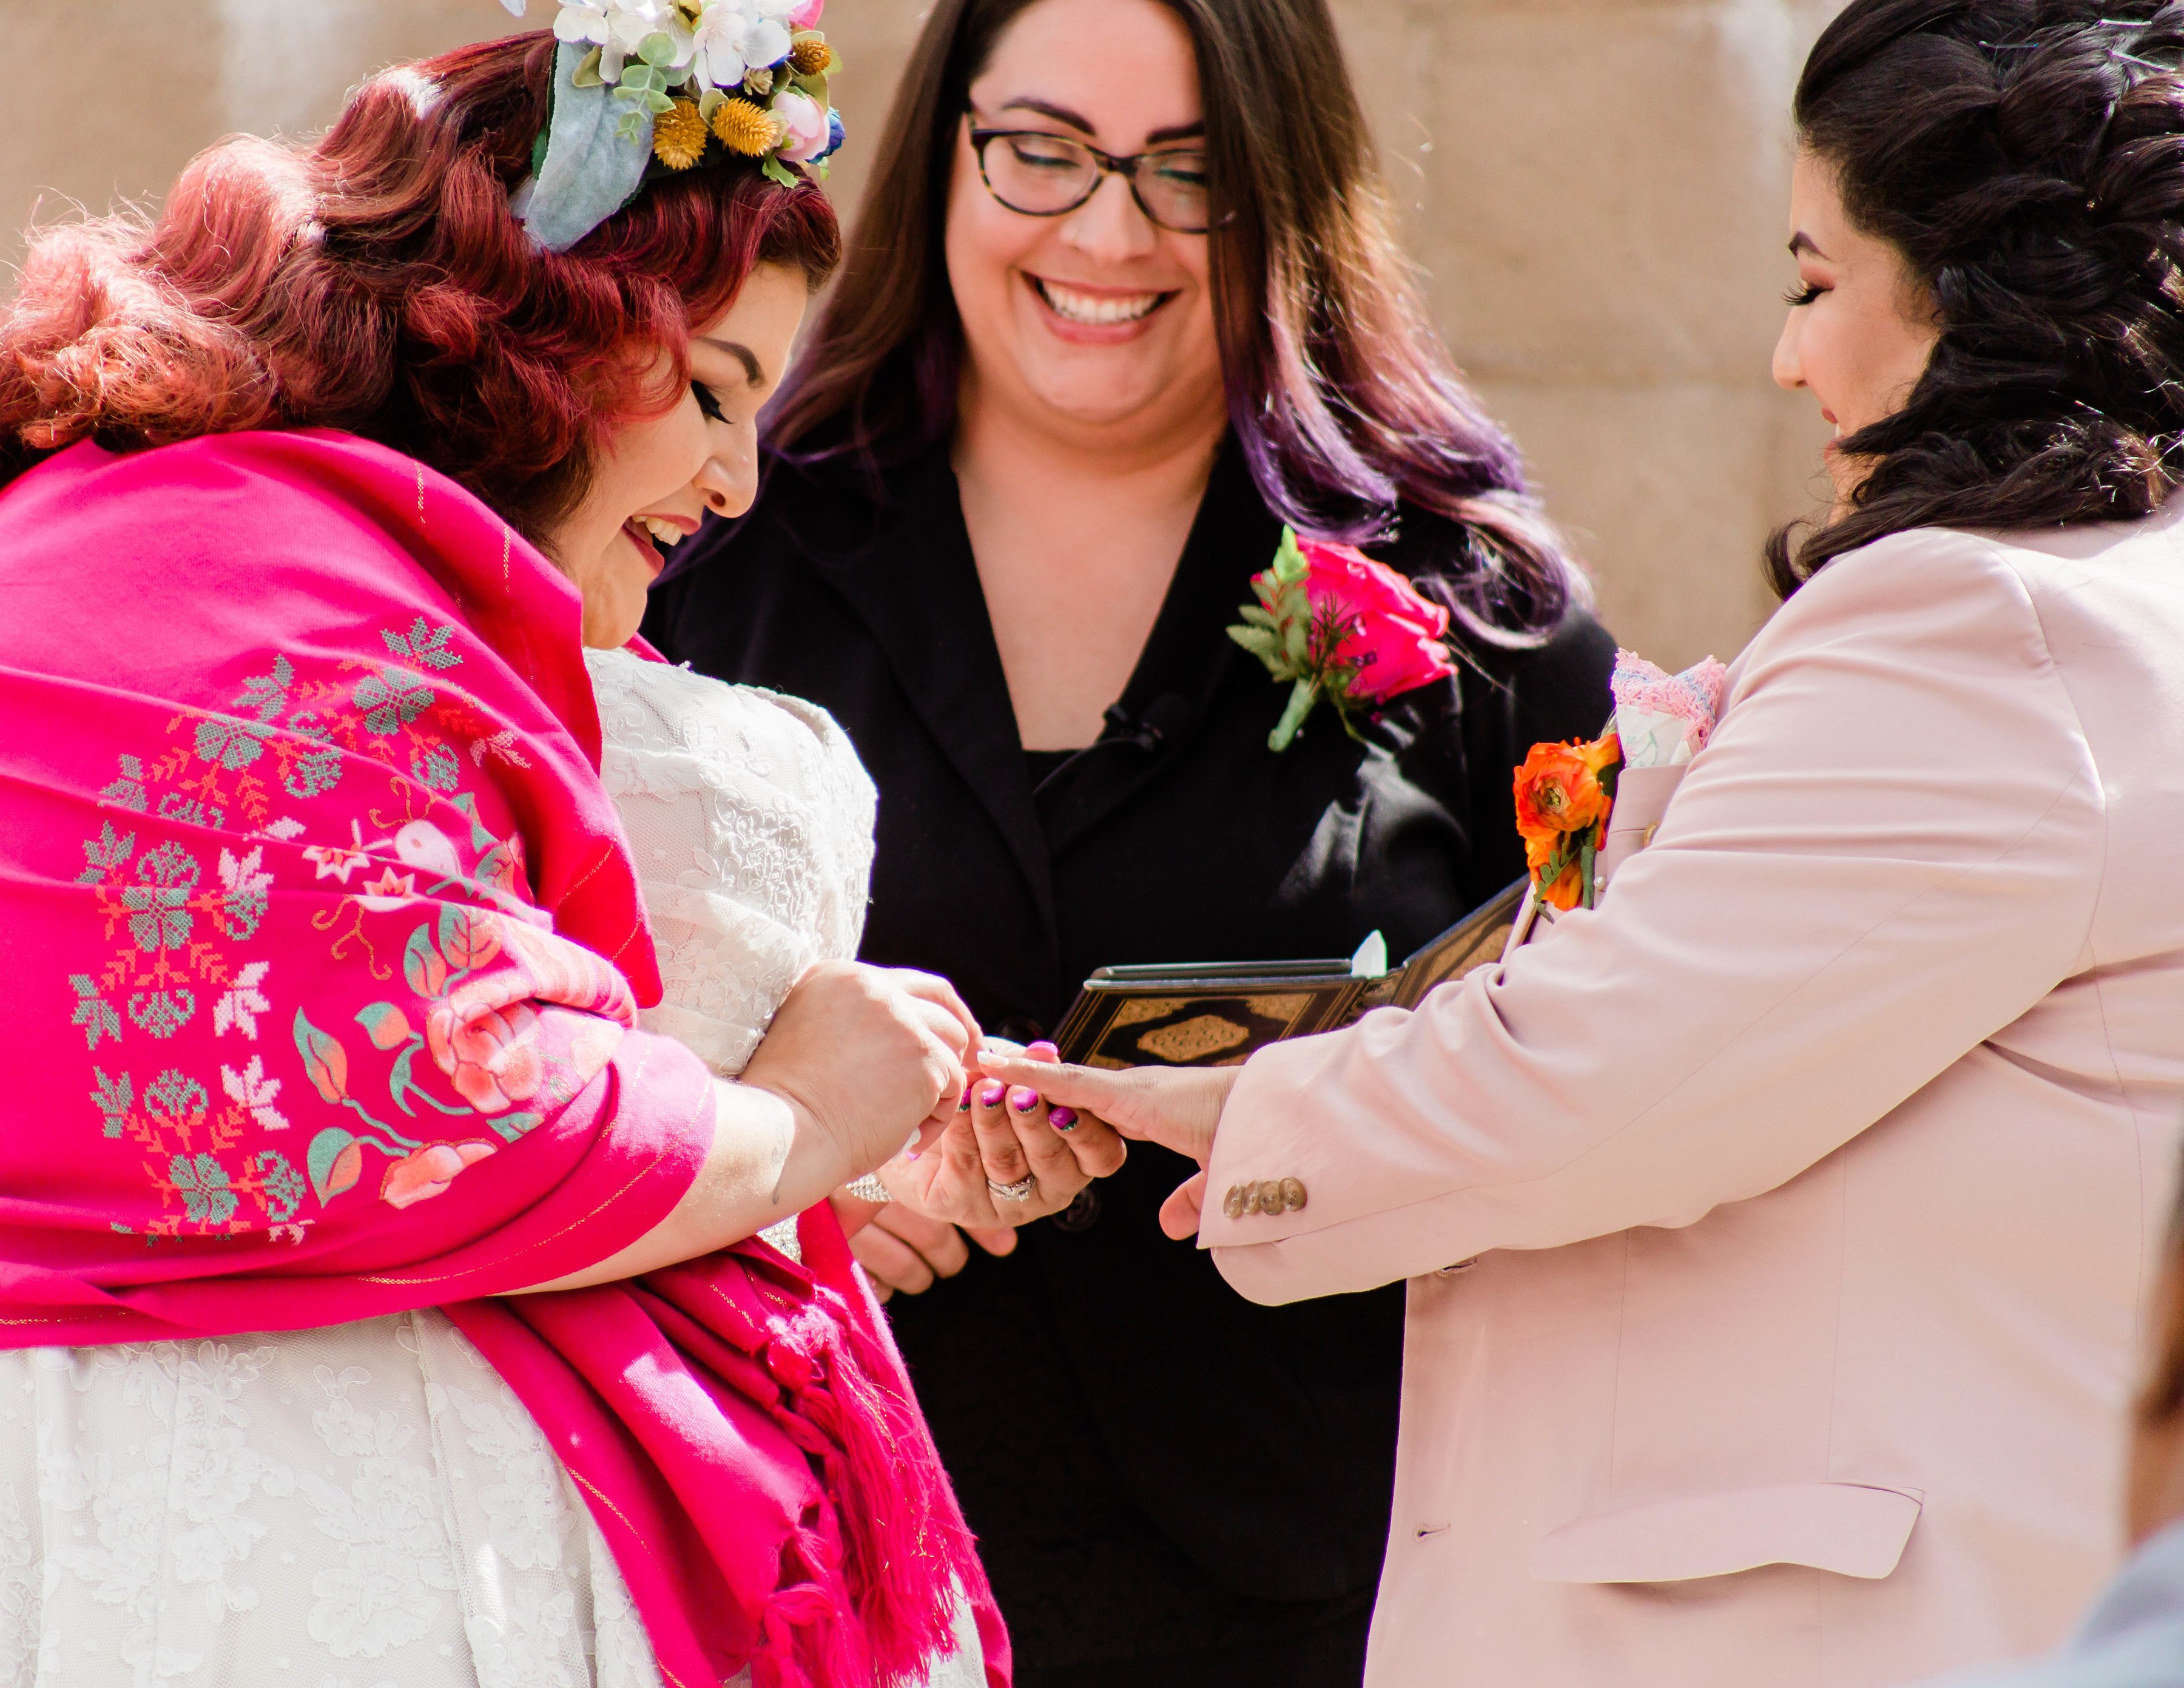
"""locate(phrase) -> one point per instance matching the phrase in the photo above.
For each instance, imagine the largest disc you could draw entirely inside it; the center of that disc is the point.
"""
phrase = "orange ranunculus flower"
(1558, 787)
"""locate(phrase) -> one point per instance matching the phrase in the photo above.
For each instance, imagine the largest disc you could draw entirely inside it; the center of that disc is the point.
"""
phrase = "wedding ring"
(1019, 1191)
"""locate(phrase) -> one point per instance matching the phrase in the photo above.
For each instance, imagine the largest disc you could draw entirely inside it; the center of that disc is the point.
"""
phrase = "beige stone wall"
(1595, 189)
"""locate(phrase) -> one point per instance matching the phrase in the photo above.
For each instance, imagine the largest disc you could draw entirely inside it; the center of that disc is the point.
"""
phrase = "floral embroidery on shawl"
(313, 743)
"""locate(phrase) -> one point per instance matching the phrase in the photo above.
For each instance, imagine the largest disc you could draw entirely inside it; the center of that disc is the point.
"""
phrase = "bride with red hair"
(419, 1000)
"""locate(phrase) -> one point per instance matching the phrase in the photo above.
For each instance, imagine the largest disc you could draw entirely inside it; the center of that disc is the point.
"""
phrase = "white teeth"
(667, 533)
(1097, 309)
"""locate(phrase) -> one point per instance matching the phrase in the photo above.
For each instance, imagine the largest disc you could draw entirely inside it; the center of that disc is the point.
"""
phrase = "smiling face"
(1860, 328)
(659, 475)
(1094, 322)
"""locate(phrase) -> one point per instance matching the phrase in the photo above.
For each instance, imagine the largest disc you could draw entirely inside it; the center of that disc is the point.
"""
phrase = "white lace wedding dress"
(369, 1505)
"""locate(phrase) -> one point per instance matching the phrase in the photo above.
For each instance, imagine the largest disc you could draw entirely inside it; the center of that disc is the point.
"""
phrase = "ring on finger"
(1019, 1191)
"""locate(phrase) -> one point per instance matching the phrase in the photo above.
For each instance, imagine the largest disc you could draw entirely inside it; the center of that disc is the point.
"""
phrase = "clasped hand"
(873, 1056)
(1005, 1159)
(1004, 1138)
(1178, 1107)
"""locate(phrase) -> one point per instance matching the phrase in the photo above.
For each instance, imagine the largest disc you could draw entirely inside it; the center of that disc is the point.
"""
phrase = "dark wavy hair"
(1351, 414)
(374, 282)
(2026, 157)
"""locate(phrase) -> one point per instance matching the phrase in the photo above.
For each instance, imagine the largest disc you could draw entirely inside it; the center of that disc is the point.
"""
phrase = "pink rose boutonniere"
(1335, 624)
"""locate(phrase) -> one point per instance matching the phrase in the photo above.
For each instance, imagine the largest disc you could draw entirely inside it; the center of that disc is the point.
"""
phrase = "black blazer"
(1150, 1460)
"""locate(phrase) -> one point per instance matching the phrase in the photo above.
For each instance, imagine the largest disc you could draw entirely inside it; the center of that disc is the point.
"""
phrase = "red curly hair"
(375, 282)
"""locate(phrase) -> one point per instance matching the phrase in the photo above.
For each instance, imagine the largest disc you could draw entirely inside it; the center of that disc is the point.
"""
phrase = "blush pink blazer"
(1778, 1234)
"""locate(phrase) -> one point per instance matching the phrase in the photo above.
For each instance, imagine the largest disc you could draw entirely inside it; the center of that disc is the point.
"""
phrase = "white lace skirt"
(366, 1506)
(359, 1506)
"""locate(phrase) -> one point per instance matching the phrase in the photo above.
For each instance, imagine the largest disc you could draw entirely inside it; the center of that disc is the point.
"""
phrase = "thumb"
(1179, 1214)
(1001, 1241)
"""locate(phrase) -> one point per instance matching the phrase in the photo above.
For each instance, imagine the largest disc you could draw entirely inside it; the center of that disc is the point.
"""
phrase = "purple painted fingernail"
(964, 1105)
(1062, 1119)
(1044, 1048)
(1023, 1101)
(990, 1092)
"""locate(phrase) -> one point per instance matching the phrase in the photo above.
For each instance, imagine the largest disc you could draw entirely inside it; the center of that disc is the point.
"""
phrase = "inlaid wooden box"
(1215, 1014)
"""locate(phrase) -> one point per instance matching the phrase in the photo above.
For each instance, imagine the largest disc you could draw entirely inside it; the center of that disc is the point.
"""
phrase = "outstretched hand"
(1178, 1107)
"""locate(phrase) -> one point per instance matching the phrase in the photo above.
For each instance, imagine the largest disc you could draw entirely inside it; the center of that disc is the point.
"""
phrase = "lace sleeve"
(750, 818)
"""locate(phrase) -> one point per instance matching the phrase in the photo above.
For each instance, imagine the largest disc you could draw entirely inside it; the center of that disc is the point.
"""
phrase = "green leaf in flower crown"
(660, 104)
(774, 170)
(657, 48)
(596, 155)
(587, 75)
(709, 102)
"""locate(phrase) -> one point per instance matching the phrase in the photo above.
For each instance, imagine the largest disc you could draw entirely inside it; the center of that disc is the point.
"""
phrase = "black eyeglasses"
(1041, 175)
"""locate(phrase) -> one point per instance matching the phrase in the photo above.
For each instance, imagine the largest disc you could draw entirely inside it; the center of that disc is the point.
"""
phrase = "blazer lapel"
(916, 590)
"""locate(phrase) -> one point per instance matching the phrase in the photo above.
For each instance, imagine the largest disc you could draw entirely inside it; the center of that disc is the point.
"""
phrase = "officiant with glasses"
(1116, 311)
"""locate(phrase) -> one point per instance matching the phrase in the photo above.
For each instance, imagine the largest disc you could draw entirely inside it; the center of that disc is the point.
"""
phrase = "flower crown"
(667, 82)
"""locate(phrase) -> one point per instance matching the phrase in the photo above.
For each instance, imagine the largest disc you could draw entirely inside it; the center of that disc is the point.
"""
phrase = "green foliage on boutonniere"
(1334, 623)
(1298, 639)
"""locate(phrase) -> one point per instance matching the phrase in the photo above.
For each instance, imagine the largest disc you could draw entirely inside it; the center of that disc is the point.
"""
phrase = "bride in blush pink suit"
(1778, 1232)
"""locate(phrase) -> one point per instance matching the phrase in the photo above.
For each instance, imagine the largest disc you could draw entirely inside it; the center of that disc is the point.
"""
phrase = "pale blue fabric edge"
(2133, 1637)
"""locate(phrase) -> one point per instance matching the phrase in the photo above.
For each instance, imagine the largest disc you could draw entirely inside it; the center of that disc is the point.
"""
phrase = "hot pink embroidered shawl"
(322, 952)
